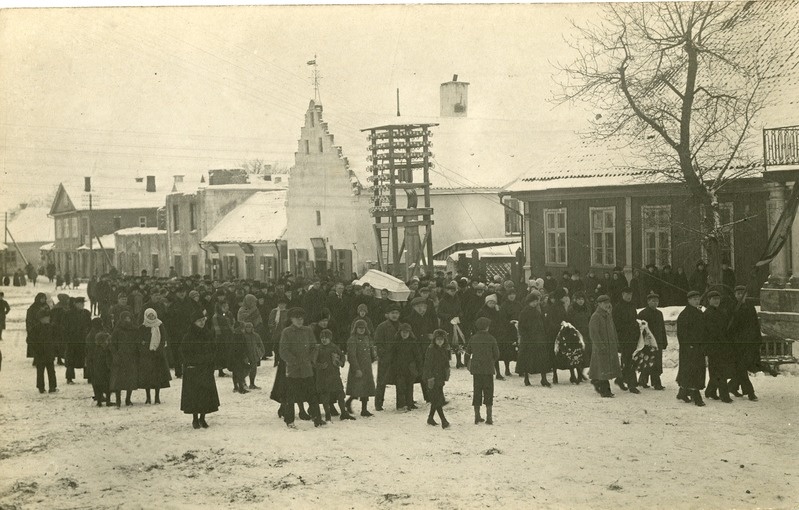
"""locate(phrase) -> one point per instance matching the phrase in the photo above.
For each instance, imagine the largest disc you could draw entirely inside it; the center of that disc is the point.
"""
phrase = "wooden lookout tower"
(400, 166)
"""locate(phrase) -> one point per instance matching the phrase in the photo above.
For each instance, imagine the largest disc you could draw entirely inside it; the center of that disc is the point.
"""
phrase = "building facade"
(141, 249)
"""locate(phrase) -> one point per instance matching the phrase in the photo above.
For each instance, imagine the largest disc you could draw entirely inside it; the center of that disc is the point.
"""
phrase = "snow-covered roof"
(132, 231)
(117, 194)
(488, 252)
(32, 225)
(47, 247)
(259, 219)
(188, 188)
(108, 242)
(770, 45)
(3, 246)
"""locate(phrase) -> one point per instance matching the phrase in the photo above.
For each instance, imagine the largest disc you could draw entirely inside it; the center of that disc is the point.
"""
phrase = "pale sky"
(139, 91)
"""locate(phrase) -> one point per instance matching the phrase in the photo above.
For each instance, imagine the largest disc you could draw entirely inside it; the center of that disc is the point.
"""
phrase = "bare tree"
(256, 166)
(674, 81)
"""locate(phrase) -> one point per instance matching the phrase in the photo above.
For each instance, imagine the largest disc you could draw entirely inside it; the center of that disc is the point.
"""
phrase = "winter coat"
(276, 327)
(744, 332)
(255, 348)
(604, 346)
(222, 324)
(4, 309)
(359, 354)
(125, 351)
(42, 344)
(436, 365)
(579, 317)
(535, 352)
(505, 332)
(720, 350)
(384, 338)
(198, 394)
(654, 319)
(626, 322)
(76, 326)
(296, 349)
(238, 359)
(153, 366)
(484, 353)
(198, 347)
(690, 333)
(327, 369)
(406, 363)
(101, 364)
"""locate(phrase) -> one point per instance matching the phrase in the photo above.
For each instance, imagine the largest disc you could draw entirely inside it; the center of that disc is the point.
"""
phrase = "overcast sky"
(137, 91)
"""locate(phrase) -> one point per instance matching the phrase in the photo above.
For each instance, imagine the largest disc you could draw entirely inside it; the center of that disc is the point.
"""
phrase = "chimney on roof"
(454, 98)
(87, 184)
(23, 206)
(150, 184)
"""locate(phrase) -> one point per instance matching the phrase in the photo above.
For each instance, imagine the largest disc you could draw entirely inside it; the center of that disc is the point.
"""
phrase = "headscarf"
(151, 321)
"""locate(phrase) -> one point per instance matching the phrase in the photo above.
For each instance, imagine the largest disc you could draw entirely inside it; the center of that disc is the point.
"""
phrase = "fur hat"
(405, 327)
(326, 333)
(482, 323)
(439, 333)
(491, 297)
(418, 301)
(534, 295)
(604, 298)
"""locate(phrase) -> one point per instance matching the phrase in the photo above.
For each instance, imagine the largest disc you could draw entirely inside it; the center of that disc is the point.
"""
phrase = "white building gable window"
(513, 219)
(656, 225)
(318, 218)
(603, 236)
(555, 237)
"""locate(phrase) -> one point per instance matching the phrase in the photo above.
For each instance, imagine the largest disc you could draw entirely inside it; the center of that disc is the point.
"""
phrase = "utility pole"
(91, 247)
(5, 241)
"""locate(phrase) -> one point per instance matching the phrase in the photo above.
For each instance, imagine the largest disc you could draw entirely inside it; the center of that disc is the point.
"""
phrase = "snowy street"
(562, 447)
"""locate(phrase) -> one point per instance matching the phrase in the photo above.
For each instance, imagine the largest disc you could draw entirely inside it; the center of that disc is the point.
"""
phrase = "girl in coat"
(435, 374)
(198, 396)
(100, 364)
(153, 366)
(360, 381)
(254, 350)
(239, 361)
(363, 315)
(327, 365)
(125, 352)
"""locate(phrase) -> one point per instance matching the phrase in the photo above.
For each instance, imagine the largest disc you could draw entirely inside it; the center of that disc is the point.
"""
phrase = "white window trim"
(518, 217)
(731, 207)
(143, 221)
(605, 230)
(565, 263)
(644, 208)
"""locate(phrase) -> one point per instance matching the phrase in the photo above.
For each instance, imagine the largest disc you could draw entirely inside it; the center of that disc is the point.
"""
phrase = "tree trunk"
(712, 228)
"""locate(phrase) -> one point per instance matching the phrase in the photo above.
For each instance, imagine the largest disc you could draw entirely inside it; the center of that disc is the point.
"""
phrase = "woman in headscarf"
(360, 381)
(125, 351)
(199, 395)
(153, 365)
(39, 303)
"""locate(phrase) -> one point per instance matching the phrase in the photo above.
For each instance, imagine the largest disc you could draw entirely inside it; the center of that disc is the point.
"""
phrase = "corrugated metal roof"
(259, 219)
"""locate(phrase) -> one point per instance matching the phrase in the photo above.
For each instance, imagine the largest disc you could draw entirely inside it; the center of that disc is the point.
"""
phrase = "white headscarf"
(151, 321)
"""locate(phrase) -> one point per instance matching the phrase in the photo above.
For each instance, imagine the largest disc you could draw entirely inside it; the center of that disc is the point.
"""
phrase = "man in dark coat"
(484, 355)
(297, 349)
(690, 335)
(604, 347)
(313, 301)
(77, 323)
(406, 366)
(654, 318)
(422, 324)
(627, 330)
(44, 350)
(744, 333)
(449, 310)
(720, 351)
(338, 304)
(384, 336)
(178, 321)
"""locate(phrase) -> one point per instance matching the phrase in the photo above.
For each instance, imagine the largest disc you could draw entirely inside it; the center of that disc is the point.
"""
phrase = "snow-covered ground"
(562, 447)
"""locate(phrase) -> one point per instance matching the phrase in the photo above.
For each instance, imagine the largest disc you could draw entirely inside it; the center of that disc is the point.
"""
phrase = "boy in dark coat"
(405, 364)
(690, 335)
(44, 350)
(435, 374)
(327, 365)
(484, 352)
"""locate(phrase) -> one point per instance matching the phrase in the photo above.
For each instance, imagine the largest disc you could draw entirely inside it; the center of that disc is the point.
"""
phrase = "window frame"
(657, 230)
(175, 217)
(604, 231)
(142, 221)
(511, 218)
(556, 230)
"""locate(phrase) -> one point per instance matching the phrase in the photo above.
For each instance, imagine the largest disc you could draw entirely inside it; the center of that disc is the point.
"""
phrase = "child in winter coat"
(483, 354)
(327, 365)
(239, 361)
(100, 365)
(435, 374)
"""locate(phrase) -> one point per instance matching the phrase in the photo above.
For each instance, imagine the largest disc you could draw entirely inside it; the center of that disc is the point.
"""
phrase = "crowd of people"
(143, 331)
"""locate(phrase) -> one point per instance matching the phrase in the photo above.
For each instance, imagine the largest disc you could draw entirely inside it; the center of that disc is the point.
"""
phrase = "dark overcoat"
(76, 326)
(605, 347)
(720, 350)
(359, 354)
(153, 366)
(385, 334)
(690, 332)
(199, 393)
(654, 319)
(125, 351)
(535, 352)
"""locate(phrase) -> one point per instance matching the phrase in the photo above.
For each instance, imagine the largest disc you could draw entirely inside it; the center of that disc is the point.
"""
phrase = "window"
(74, 222)
(269, 267)
(192, 217)
(603, 236)
(307, 146)
(156, 267)
(59, 228)
(84, 227)
(195, 264)
(178, 265)
(312, 119)
(232, 263)
(249, 266)
(513, 219)
(656, 224)
(318, 218)
(65, 228)
(175, 218)
(727, 238)
(117, 223)
(555, 236)
(320, 145)
(143, 221)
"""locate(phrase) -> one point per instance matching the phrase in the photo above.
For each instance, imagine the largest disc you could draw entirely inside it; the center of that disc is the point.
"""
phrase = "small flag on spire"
(312, 62)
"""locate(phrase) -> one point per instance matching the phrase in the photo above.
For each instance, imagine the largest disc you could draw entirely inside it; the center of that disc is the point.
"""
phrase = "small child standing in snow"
(436, 374)
(100, 366)
(329, 360)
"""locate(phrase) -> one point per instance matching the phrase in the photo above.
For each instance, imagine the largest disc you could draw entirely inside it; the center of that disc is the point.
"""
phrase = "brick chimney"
(150, 184)
(87, 184)
(454, 98)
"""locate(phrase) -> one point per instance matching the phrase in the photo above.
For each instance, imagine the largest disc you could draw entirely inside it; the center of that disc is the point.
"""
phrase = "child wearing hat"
(484, 352)
(100, 367)
(327, 364)
(435, 374)
(405, 361)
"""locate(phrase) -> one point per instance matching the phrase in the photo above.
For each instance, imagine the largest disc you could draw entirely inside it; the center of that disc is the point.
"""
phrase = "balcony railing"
(781, 146)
